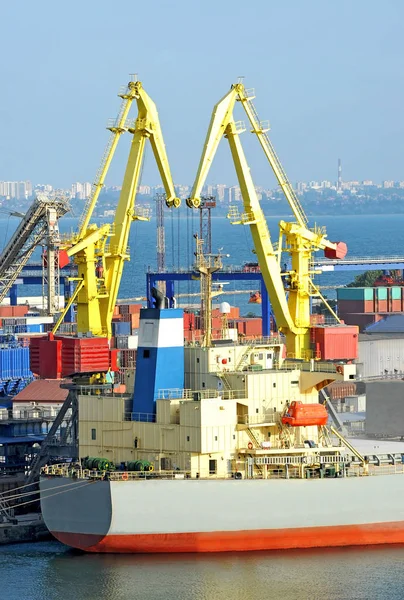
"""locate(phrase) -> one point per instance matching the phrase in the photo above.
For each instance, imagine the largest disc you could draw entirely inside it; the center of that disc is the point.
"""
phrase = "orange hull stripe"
(238, 541)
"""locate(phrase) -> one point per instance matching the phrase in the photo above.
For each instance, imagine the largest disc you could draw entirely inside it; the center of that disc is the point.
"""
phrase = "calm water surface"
(49, 571)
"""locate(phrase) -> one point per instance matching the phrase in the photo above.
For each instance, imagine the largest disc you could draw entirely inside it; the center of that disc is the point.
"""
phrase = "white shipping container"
(127, 342)
(132, 342)
(38, 320)
(356, 403)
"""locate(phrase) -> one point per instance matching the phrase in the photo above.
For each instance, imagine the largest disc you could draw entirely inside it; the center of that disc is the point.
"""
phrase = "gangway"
(333, 413)
(40, 220)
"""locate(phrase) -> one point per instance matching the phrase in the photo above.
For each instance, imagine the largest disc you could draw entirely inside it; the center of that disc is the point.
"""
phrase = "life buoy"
(125, 476)
(250, 445)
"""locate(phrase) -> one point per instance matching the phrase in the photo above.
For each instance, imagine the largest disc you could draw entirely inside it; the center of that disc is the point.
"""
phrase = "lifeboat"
(300, 415)
(255, 298)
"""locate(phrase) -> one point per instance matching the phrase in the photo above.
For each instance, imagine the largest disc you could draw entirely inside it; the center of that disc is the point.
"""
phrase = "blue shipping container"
(121, 328)
(37, 328)
(14, 363)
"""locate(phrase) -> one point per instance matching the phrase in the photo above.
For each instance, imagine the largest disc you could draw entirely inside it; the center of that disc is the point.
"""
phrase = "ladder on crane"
(29, 233)
(260, 128)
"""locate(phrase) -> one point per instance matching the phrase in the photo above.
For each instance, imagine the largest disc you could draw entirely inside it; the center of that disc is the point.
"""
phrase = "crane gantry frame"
(101, 251)
(291, 303)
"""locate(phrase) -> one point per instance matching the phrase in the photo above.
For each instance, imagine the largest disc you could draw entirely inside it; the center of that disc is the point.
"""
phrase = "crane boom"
(101, 252)
(292, 306)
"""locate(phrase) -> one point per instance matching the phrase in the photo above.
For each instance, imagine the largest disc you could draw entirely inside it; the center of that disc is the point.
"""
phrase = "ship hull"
(218, 516)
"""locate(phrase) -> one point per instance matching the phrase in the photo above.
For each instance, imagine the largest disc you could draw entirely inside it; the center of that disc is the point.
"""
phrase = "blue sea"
(50, 571)
(366, 236)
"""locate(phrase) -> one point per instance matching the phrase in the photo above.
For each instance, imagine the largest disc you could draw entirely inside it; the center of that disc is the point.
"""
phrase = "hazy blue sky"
(329, 75)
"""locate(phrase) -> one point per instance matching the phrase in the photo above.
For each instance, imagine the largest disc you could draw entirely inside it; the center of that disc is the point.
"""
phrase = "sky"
(328, 74)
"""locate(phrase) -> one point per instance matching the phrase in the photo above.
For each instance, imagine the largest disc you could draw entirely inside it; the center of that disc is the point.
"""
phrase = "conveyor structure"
(40, 221)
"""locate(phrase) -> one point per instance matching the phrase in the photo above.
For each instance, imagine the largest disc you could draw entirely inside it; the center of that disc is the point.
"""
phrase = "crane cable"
(56, 493)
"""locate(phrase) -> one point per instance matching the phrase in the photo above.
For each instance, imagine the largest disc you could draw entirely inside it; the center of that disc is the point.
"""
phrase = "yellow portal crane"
(101, 251)
(291, 303)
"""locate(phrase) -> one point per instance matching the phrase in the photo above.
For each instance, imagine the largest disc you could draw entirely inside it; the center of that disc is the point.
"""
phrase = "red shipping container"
(337, 343)
(129, 309)
(116, 311)
(127, 358)
(46, 357)
(396, 306)
(14, 311)
(317, 319)
(135, 321)
(84, 355)
(341, 389)
(253, 327)
(114, 360)
(189, 321)
(381, 306)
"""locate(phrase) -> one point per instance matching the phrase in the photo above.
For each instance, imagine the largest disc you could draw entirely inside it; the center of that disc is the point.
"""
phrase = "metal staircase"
(37, 222)
(225, 380)
(254, 440)
(52, 440)
(243, 359)
(256, 444)
(333, 413)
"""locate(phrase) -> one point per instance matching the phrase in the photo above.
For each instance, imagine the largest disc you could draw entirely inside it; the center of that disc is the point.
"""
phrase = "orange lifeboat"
(300, 414)
(255, 298)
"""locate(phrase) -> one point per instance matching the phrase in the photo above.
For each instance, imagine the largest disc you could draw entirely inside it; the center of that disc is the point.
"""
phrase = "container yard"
(111, 404)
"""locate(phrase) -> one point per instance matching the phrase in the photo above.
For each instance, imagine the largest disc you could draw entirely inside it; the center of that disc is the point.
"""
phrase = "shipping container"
(336, 343)
(135, 321)
(121, 328)
(362, 320)
(381, 306)
(317, 319)
(381, 293)
(127, 342)
(355, 293)
(127, 358)
(84, 355)
(340, 389)
(355, 306)
(14, 363)
(14, 311)
(129, 309)
(396, 293)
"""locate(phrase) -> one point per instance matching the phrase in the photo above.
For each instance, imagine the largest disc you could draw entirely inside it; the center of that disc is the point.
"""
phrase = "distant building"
(81, 191)
(19, 190)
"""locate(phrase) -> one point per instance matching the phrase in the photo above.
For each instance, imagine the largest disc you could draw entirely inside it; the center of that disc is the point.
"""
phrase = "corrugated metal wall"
(378, 356)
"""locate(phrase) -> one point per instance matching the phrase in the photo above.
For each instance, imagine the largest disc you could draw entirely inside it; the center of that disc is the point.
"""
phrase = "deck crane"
(291, 303)
(101, 251)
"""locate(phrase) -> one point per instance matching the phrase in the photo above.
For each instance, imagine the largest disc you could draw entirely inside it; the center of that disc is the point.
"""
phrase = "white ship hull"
(223, 515)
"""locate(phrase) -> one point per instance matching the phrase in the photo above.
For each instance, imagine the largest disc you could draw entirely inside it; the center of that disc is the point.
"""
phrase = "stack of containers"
(364, 306)
(125, 326)
(15, 373)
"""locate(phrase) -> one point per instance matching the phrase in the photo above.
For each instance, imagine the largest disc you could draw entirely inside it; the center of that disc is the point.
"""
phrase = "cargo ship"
(224, 448)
